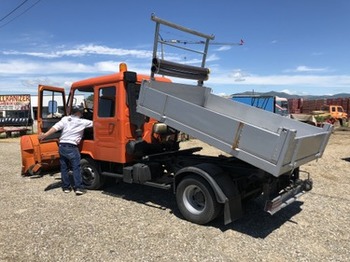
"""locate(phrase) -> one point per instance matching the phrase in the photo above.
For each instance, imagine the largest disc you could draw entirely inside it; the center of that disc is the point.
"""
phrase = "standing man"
(72, 131)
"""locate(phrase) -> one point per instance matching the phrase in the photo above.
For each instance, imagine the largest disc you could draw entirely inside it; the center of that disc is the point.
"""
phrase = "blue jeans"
(70, 159)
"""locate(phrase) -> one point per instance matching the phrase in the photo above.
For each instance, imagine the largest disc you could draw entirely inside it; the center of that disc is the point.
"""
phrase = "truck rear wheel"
(92, 179)
(196, 200)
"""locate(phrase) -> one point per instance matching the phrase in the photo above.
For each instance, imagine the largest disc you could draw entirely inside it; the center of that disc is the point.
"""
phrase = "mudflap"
(233, 204)
(233, 209)
(288, 195)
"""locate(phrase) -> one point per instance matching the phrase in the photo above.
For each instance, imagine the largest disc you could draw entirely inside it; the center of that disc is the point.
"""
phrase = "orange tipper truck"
(137, 119)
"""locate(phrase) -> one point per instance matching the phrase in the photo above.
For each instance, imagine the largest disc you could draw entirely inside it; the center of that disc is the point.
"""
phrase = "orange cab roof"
(112, 78)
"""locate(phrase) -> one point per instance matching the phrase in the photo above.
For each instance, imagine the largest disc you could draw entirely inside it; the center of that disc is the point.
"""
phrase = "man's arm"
(51, 131)
(88, 123)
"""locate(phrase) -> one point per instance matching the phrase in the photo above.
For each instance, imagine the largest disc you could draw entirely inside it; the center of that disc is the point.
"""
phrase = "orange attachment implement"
(38, 156)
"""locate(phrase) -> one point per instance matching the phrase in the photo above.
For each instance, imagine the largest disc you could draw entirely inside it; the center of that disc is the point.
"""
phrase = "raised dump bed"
(271, 142)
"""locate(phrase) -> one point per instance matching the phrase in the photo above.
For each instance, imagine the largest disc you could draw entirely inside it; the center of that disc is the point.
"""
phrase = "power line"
(13, 10)
(176, 41)
(30, 7)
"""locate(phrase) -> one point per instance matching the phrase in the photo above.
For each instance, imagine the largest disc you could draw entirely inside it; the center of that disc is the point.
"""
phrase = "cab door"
(106, 124)
(43, 155)
(51, 108)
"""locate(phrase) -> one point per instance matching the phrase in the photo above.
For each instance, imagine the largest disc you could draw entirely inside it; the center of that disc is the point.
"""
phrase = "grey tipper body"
(271, 142)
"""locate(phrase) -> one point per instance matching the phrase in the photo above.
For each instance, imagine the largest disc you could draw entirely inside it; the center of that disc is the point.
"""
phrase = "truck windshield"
(282, 108)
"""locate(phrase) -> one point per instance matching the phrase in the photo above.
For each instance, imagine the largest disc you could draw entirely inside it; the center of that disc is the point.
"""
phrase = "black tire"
(342, 121)
(196, 200)
(92, 179)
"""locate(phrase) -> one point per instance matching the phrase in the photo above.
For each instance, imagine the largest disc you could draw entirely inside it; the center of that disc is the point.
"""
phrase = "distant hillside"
(282, 94)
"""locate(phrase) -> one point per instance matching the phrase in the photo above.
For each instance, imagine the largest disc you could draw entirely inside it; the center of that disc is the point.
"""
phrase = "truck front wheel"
(196, 200)
(92, 179)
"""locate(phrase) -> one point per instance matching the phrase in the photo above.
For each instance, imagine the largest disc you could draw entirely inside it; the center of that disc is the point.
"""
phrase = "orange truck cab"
(335, 112)
(119, 135)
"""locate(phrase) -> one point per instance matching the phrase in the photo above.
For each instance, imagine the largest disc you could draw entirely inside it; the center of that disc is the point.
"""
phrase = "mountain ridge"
(289, 96)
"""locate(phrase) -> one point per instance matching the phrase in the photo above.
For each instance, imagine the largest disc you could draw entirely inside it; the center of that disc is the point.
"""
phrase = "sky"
(294, 46)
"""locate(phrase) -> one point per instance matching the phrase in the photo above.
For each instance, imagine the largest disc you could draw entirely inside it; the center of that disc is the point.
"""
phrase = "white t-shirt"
(72, 129)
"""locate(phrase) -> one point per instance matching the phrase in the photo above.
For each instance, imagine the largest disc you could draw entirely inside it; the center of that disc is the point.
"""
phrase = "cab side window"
(52, 110)
(52, 104)
(106, 102)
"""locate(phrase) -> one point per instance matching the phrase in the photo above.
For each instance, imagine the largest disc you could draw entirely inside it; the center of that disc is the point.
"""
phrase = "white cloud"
(294, 92)
(48, 80)
(307, 69)
(83, 50)
(63, 68)
(22, 76)
(287, 91)
(310, 69)
(191, 60)
(222, 94)
(237, 75)
(29, 84)
(20, 67)
(342, 81)
(223, 48)
(107, 66)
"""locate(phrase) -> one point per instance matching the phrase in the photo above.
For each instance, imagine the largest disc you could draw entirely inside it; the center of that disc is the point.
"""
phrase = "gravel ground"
(38, 222)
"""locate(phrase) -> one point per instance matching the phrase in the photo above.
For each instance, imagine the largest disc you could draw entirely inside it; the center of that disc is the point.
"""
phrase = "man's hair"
(77, 109)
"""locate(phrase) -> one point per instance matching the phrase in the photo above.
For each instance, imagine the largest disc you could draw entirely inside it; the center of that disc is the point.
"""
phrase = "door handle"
(111, 128)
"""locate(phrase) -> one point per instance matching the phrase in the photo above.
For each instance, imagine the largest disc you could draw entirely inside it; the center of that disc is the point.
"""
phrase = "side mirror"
(52, 106)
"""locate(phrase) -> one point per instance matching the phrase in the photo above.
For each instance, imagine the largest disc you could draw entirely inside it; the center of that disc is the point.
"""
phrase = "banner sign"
(14, 102)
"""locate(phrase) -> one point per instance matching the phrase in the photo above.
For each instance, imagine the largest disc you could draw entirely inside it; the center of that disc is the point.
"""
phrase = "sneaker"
(80, 191)
(67, 190)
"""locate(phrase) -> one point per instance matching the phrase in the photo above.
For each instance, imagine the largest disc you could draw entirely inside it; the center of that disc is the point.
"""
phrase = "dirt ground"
(122, 222)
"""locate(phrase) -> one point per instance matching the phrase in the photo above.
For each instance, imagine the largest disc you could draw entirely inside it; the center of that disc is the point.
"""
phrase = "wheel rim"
(88, 175)
(194, 199)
